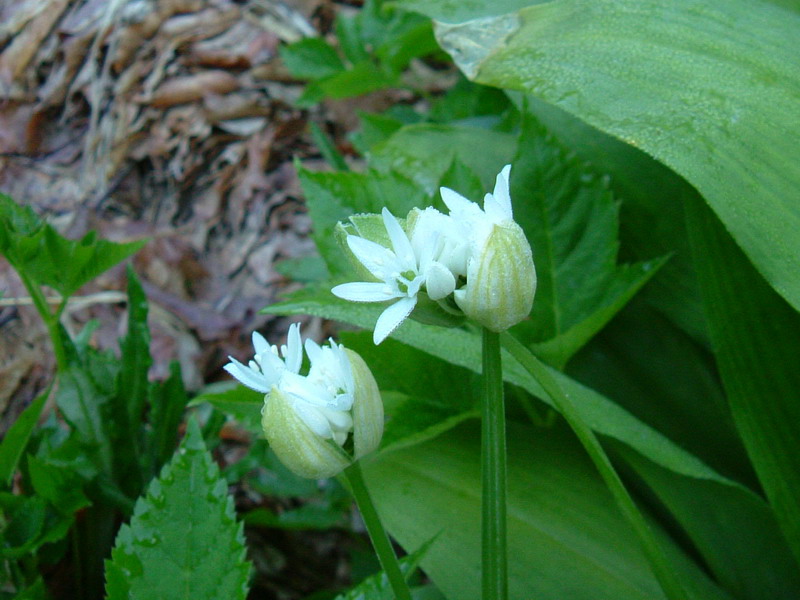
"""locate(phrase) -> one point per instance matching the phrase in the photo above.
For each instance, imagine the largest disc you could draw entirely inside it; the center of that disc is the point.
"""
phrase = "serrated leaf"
(571, 219)
(36, 249)
(135, 348)
(183, 541)
(684, 81)
(16, 438)
(167, 400)
(311, 58)
(334, 197)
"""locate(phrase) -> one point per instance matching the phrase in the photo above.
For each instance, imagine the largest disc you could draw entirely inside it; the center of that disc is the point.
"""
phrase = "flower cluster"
(308, 419)
(476, 261)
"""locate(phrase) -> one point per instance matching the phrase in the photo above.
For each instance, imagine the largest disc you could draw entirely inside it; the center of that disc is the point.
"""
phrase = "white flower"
(307, 419)
(401, 273)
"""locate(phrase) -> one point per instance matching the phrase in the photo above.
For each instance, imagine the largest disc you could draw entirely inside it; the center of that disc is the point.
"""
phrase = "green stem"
(380, 540)
(653, 551)
(494, 564)
(50, 319)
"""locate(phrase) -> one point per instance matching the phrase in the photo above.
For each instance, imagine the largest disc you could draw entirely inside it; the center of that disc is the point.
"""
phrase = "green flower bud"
(501, 279)
(367, 407)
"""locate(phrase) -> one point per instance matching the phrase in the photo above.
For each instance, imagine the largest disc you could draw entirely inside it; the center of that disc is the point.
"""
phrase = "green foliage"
(183, 540)
(36, 250)
(16, 438)
(704, 86)
(377, 44)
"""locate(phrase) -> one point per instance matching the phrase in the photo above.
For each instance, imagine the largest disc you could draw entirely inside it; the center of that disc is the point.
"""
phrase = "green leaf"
(708, 88)
(334, 197)
(571, 220)
(428, 395)
(736, 535)
(458, 11)
(362, 78)
(23, 524)
(423, 153)
(561, 519)
(168, 399)
(239, 402)
(37, 250)
(463, 348)
(16, 438)
(61, 487)
(311, 58)
(133, 384)
(183, 540)
(308, 516)
(756, 339)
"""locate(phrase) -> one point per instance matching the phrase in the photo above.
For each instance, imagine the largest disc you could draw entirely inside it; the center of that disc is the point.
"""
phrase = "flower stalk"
(377, 534)
(494, 568)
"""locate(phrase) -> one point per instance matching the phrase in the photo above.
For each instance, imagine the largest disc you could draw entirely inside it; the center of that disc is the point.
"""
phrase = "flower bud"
(303, 452)
(501, 278)
(367, 407)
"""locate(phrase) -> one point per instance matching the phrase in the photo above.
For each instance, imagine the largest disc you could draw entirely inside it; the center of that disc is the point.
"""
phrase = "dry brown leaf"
(193, 87)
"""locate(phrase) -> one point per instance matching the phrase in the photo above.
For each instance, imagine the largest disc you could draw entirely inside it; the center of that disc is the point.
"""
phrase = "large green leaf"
(571, 219)
(566, 539)
(709, 88)
(756, 337)
(16, 438)
(183, 540)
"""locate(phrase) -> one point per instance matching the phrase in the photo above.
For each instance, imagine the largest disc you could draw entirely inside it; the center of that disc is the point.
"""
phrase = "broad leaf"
(708, 88)
(183, 540)
(756, 338)
(38, 251)
(561, 519)
(311, 58)
(237, 401)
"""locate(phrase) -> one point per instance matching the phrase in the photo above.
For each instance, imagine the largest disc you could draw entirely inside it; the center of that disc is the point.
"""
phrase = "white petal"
(391, 318)
(455, 201)
(400, 243)
(272, 366)
(379, 261)
(366, 291)
(313, 350)
(293, 354)
(439, 281)
(312, 417)
(498, 205)
(260, 344)
(248, 376)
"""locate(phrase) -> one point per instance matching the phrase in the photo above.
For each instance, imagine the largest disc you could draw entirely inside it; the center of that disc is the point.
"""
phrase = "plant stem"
(50, 319)
(494, 565)
(659, 563)
(380, 540)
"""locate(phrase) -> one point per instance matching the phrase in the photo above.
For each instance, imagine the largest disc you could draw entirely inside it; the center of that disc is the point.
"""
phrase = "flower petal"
(391, 318)
(379, 261)
(439, 281)
(402, 246)
(366, 291)
(455, 201)
(260, 344)
(248, 376)
(498, 204)
(293, 353)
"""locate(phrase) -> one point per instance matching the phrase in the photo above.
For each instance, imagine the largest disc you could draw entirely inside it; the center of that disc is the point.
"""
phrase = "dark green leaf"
(708, 88)
(756, 338)
(183, 540)
(133, 384)
(167, 402)
(362, 78)
(16, 438)
(36, 249)
(571, 220)
(239, 402)
(60, 486)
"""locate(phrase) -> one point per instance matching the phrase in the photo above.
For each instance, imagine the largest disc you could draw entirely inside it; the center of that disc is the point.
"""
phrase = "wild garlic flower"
(401, 274)
(308, 419)
(500, 275)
